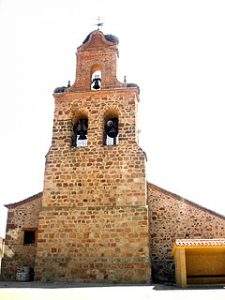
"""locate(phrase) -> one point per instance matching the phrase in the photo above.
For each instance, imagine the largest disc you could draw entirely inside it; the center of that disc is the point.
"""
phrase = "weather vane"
(99, 23)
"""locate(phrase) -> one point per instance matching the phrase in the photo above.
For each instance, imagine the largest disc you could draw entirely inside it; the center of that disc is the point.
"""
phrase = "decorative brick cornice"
(27, 200)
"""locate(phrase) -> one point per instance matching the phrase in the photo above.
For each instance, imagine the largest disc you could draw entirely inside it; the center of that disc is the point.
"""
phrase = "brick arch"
(111, 112)
(78, 114)
(95, 67)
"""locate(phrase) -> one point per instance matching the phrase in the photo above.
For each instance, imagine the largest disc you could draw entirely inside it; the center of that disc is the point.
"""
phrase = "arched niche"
(111, 128)
(80, 130)
(96, 77)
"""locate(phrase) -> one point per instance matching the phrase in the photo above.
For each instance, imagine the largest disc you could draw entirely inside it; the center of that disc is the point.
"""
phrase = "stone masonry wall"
(172, 217)
(20, 217)
(95, 196)
(85, 184)
(96, 174)
(102, 244)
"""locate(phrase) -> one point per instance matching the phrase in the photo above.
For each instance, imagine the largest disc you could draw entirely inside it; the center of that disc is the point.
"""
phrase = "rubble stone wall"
(171, 217)
(16, 254)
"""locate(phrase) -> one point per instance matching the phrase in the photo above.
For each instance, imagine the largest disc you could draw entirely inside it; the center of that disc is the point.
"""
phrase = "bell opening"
(80, 132)
(111, 131)
(96, 80)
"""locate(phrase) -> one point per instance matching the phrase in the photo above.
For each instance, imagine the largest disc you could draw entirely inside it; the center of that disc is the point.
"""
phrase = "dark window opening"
(29, 237)
(111, 131)
(80, 128)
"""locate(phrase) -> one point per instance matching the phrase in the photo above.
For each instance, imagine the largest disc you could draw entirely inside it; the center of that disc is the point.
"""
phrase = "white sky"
(174, 50)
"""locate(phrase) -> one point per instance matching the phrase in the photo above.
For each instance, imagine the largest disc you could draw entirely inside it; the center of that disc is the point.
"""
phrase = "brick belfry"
(93, 225)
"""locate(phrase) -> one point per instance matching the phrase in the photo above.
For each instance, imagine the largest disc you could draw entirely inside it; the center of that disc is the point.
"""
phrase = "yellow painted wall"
(205, 266)
(202, 265)
(200, 262)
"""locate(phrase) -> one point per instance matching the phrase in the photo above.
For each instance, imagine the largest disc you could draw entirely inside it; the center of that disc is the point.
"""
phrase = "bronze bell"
(81, 129)
(82, 137)
(112, 127)
(96, 83)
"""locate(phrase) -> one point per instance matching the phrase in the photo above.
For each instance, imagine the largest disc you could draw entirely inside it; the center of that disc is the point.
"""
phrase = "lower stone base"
(106, 270)
(8, 269)
(16, 256)
(163, 271)
(104, 244)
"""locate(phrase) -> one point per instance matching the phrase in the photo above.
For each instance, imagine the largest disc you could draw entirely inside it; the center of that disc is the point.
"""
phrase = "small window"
(111, 131)
(29, 237)
(80, 131)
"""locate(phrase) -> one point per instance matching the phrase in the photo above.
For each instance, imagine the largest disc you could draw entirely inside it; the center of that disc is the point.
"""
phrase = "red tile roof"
(32, 198)
(199, 242)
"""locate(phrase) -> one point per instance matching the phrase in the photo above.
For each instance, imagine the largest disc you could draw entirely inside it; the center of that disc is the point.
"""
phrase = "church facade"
(98, 219)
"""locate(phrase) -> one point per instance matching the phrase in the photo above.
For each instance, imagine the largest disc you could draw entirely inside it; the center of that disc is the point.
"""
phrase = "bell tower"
(97, 53)
(94, 220)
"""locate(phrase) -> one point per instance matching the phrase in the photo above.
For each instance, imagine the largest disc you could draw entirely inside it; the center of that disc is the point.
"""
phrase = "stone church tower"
(97, 219)
(93, 224)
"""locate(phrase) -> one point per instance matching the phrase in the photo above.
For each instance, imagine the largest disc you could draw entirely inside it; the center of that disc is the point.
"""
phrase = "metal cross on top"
(99, 23)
